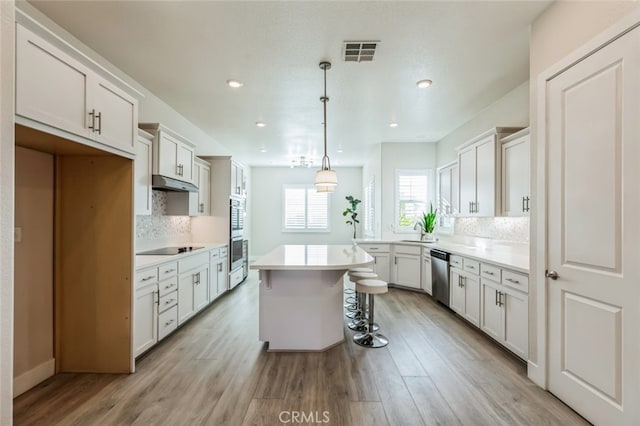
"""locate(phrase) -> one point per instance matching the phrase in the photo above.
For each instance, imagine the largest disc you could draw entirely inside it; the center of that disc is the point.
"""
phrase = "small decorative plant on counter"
(351, 211)
(428, 223)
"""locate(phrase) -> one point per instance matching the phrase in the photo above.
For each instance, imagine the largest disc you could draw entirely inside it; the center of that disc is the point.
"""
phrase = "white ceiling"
(184, 52)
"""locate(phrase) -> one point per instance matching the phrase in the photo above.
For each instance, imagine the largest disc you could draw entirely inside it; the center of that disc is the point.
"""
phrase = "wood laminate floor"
(214, 371)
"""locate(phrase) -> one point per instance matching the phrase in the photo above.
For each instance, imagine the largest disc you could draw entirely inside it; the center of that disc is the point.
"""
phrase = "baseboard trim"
(36, 375)
(536, 374)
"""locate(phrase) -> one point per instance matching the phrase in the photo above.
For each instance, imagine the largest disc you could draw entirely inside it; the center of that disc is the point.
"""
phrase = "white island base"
(301, 310)
(301, 295)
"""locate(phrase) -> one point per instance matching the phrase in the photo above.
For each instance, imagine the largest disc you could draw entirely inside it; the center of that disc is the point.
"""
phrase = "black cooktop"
(169, 250)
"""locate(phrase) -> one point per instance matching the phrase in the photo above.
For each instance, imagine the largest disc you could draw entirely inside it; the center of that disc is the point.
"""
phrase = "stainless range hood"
(164, 183)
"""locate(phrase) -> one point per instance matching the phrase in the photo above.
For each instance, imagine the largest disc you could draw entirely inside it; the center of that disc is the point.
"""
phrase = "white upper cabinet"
(193, 203)
(448, 187)
(238, 180)
(142, 185)
(57, 89)
(516, 195)
(479, 163)
(173, 154)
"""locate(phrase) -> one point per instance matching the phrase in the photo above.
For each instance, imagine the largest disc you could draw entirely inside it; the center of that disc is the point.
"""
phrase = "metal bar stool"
(359, 318)
(370, 338)
(351, 302)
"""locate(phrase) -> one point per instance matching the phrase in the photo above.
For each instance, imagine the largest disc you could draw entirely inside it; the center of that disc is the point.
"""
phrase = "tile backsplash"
(514, 229)
(157, 226)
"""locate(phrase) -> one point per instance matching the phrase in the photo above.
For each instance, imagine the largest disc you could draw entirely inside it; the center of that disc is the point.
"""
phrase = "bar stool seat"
(370, 338)
(359, 315)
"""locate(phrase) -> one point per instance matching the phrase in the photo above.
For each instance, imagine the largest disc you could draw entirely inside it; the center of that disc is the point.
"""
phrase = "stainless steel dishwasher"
(440, 275)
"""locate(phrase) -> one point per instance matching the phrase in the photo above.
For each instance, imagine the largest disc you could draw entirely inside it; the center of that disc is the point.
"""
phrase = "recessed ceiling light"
(234, 83)
(393, 124)
(261, 123)
(423, 84)
(263, 149)
(339, 150)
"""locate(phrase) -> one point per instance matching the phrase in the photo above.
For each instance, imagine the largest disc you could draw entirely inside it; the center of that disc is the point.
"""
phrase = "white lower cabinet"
(381, 259)
(186, 307)
(426, 272)
(201, 288)
(222, 271)
(464, 298)
(145, 333)
(407, 261)
(505, 314)
(170, 293)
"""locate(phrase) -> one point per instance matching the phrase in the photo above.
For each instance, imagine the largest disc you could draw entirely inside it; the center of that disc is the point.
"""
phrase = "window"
(369, 209)
(305, 209)
(412, 197)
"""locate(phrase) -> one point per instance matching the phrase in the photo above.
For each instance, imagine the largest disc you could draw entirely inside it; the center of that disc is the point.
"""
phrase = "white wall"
(6, 209)
(33, 291)
(562, 28)
(373, 170)
(267, 207)
(512, 110)
(402, 156)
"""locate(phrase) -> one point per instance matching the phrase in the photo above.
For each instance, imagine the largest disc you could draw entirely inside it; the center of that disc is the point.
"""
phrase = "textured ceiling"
(185, 51)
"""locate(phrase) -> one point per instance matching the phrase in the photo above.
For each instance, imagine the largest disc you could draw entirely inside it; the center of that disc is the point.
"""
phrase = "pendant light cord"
(326, 163)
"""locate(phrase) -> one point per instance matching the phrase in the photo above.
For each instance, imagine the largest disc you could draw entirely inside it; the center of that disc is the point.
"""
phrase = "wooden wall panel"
(94, 262)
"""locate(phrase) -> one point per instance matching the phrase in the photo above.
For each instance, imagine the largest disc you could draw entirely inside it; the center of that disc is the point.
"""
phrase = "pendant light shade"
(326, 179)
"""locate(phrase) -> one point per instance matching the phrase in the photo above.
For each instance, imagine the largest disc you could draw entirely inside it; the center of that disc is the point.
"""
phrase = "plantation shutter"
(317, 217)
(294, 208)
(412, 198)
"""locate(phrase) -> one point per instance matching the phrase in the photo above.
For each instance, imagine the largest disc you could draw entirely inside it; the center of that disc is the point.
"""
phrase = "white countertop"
(147, 261)
(313, 257)
(507, 255)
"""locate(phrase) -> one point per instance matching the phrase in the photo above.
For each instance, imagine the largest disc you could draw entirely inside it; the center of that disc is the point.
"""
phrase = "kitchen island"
(301, 302)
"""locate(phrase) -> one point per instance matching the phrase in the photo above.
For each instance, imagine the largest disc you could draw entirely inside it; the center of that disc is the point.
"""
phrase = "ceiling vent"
(359, 51)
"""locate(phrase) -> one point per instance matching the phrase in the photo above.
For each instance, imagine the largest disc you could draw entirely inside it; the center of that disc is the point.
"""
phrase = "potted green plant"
(428, 223)
(351, 212)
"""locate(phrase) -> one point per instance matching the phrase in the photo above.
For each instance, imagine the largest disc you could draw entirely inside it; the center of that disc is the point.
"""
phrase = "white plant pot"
(429, 237)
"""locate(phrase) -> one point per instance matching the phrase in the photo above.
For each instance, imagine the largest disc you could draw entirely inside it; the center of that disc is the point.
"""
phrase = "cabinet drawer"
(168, 301)
(146, 277)
(455, 261)
(515, 280)
(167, 322)
(214, 255)
(193, 262)
(471, 266)
(407, 249)
(377, 248)
(235, 277)
(223, 251)
(167, 270)
(489, 271)
(168, 285)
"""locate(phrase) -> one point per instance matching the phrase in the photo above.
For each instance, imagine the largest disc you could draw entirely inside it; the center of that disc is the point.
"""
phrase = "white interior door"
(593, 145)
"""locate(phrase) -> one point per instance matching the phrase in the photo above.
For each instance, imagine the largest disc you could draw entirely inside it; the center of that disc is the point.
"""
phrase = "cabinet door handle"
(488, 272)
(523, 207)
(156, 297)
(375, 260)
(500, 294)
(168, 323)
(167, 287)
(511, 280)
(471, 267)
(496, 298)
(170, 301)
(201, 208)
(219, 267)
(395, 260)
(148, 278)
(470, 209)
(92, 114)
(99, 120)
(527, 199)
(169, 270)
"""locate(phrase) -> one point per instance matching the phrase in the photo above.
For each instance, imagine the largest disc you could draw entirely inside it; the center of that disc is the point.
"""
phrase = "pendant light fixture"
(326, 179)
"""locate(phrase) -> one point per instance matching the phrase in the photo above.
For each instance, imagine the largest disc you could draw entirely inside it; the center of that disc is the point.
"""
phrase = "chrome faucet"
(422, 233)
